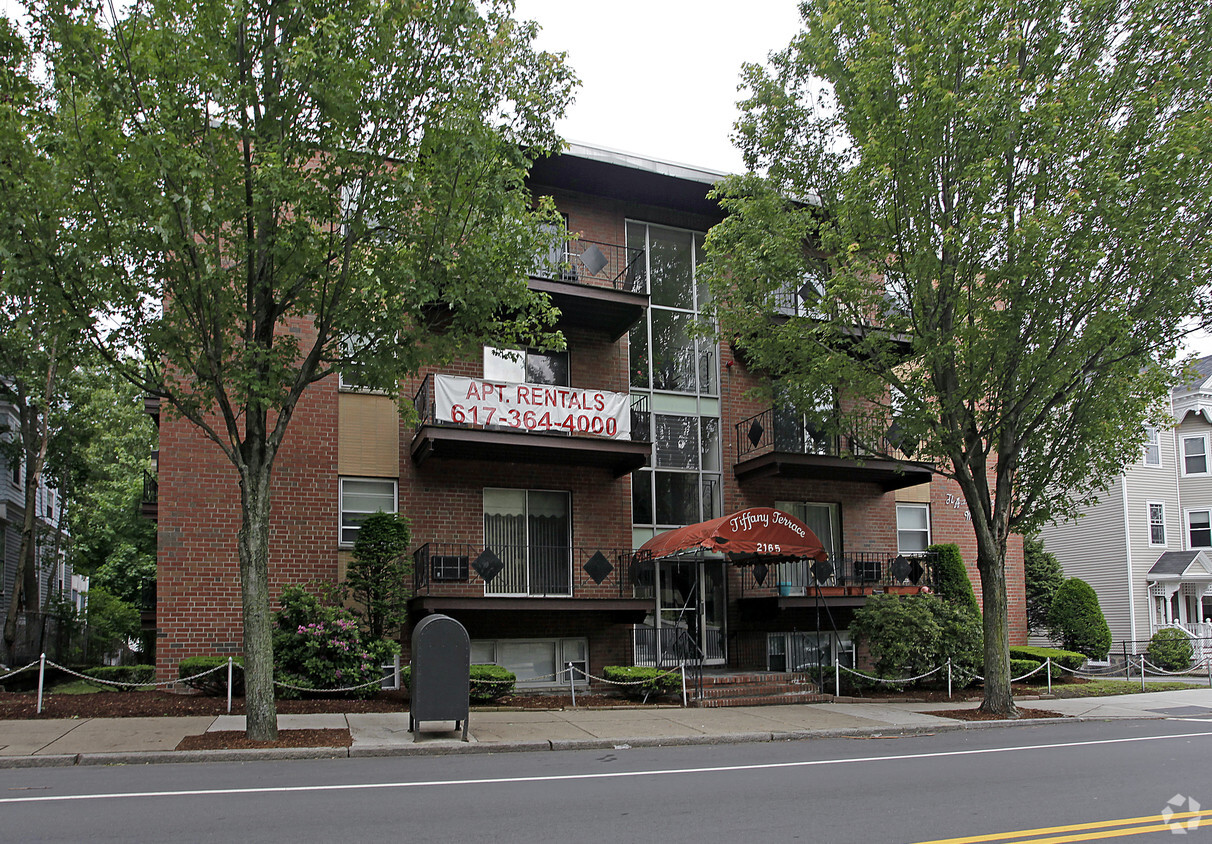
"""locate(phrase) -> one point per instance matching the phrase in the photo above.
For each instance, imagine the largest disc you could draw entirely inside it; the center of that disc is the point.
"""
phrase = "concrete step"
(757, 689)
(763, 700)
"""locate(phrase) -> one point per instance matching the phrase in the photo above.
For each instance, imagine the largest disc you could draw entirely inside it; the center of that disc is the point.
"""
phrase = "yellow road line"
(1092, 827)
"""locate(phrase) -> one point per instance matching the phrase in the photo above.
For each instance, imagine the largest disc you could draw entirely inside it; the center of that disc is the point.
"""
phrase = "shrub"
(1170, 650)
(1043, 576)
(112, 623)
(319, 647)
(380, 574)
(1020, 667)
(642, 681)
(951, 581)
(129, 677)
(1077, 620)
(1069, 659)
(214, 683)
(909, 636)
(489, 682)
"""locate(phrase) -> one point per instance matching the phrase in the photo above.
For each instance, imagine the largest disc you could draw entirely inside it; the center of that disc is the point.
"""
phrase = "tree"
(274, 191)
(1077, 620)
(40, 341)
(1044, 576)
(951, 580)
(380, 574)
(997, 216)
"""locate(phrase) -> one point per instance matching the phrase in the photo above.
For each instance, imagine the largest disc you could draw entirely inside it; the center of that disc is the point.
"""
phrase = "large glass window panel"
(532, 366)
(673, 352)
(912, 528)
(547, 368)
(529, 530)
(637, 243)
(708, 368)
(671, 267)
(1195, 456)
(359, 499)
(677, 442)
(713, 504)
(710, 433)
(704, 292)
(528, 661)
(641, 498)
(637, 342)
(677, 498)
(507, 365)
(1199, 523)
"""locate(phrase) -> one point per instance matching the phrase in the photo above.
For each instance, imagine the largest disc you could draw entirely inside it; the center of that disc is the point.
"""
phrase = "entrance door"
(691, 611)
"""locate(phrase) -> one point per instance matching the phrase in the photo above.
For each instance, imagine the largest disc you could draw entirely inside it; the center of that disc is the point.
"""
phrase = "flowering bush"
(319, 646)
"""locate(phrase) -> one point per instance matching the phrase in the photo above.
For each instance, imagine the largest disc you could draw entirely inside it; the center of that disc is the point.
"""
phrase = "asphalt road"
(995, 783)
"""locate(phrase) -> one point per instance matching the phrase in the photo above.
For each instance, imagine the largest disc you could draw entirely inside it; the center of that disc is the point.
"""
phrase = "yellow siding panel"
(368, 436)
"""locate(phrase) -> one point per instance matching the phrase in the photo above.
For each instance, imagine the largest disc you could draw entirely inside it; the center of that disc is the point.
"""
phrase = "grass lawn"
(1098, 688)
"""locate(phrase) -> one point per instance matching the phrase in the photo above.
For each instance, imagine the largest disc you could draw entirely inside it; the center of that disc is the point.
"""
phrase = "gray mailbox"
(441, 671)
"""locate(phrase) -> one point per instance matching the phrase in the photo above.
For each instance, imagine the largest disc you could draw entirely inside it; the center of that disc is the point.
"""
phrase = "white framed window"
(1199, 529)
(1195, 455)
(360, 497)
(1157, 522)
(530, 366)
(536, 662)
(1152, 455)
(912, 528)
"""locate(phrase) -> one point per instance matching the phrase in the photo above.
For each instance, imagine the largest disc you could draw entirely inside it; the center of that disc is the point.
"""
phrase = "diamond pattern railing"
(860, 569)
(443, 568)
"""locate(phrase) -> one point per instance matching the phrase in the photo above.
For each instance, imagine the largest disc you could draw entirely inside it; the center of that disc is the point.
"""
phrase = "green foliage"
(642, 681)
(319, 647)
(951, 579)
(1069, 659)
(380, 575)
(1170, 649)
(927, 164)
(911, 635)
(127, 677)
(1021, 667)
(490, 682)
(1044, 576)
(112, 623)
(213, 683)
(1077, 620)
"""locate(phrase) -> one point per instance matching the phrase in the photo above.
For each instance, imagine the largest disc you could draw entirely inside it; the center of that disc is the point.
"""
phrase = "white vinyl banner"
(532, 407)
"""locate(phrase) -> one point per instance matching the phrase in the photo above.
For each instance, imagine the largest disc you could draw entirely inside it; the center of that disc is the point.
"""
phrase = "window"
(530, 531)
(1152, 455)
(912, 528)
(552, 263)
(531, 366)
(1195, 455)
(1199, 528)
(1157, 523)
(536, 662)
(360, 497)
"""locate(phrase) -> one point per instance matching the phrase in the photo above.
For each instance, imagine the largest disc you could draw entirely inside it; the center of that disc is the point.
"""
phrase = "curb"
(452, 748)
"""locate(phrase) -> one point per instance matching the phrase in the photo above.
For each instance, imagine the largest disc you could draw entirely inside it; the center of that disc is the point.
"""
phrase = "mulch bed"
(235, 740)
(978, 715)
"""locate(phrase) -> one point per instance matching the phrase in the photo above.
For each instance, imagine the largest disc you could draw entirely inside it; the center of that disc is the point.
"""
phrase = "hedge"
(1019, 667)
(642, 681)
(1069, 659)
(129, 677)
(214, 683)
(488, 682)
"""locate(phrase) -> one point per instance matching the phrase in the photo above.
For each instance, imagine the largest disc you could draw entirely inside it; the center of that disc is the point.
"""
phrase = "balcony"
(842, 580)
(601, 287)
(150, 503)
(462, 576)
(781, 443)
(472, 419)
(147, 604)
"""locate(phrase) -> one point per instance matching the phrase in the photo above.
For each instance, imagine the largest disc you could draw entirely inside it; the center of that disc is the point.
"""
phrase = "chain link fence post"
(41, 679)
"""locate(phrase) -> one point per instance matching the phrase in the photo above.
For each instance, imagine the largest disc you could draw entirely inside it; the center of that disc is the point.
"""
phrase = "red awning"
(759, 532)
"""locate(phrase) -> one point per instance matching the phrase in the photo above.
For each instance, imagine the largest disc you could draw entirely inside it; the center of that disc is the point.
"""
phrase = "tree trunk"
(999, 699)
(261, 715)
(26, 593)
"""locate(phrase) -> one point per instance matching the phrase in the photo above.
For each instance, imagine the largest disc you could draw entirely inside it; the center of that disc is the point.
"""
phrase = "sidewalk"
(103, 741)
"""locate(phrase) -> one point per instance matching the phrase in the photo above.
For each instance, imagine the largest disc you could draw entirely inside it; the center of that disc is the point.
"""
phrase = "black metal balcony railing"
(423, 403)
(786, 431)
(151, 488)
(585, 261)
(454, 569)
(859, 569)
(147, 595)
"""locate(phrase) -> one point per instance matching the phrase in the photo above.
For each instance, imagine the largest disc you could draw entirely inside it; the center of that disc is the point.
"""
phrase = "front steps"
(758, 688)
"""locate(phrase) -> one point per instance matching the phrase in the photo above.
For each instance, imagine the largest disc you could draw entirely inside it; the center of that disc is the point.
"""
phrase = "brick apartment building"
(561, 464)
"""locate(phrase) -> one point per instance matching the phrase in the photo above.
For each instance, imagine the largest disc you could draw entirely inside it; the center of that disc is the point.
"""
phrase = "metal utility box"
(441, 672)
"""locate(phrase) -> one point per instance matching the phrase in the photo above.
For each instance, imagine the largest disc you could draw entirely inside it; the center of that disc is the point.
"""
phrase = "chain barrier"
(366, 685)
(139, 685)
(1166, 673)
(589, 676)
(17, 671)
(886, 680)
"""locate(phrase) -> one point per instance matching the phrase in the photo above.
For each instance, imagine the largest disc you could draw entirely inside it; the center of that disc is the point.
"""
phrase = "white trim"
(1149, 505)
(395, 505)
(912, 506)
(1152, 440)
(1123, 485)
